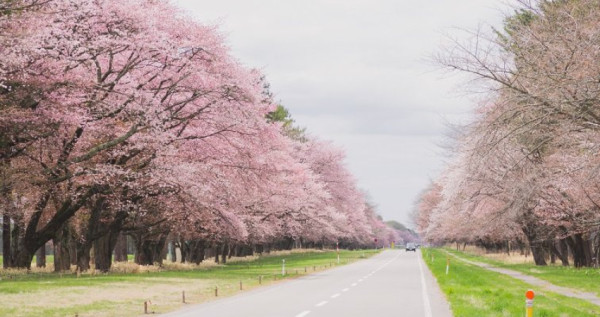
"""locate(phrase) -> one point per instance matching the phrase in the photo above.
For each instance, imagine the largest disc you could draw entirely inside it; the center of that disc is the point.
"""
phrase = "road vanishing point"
(392, 283)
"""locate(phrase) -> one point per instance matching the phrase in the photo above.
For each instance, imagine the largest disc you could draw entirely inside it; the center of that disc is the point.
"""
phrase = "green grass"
(94, 295)
(583, 279)
(474, 291)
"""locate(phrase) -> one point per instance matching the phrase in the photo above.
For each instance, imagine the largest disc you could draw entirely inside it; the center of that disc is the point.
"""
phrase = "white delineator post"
(447, 265)
(283, 268)
(337, 247)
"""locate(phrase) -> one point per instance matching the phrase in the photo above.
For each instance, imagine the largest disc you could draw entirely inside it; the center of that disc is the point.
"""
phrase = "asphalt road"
(393, 283)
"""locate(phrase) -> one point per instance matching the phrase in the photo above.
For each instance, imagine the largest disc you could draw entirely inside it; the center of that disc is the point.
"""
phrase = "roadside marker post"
(529, 295)
(283, 268)
(337, 248)
(447, 265)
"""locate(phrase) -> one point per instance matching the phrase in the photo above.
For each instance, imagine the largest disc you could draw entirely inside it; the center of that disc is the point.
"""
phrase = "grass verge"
(474, 291)
(583, 279)
(120, 294)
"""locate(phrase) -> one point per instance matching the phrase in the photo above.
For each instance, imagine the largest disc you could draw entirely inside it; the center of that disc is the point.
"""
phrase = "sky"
(359, 73)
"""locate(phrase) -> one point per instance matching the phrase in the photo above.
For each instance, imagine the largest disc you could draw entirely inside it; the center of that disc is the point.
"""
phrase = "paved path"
(393, 283)
(590, 297)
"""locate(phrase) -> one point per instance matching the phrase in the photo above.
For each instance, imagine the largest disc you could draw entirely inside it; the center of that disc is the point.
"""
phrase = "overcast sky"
(356, 72)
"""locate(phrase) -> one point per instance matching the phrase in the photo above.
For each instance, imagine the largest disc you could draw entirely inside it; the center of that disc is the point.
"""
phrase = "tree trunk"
(563, 247)
(224, 253)
(559, 249)
(288, 243)
(537, 250)
(22, 257)
(587, 250)
(247, 250)
(536, 246)
(35, 236)
(184, 251)
(72, 251)
(121, 248)
(597, 250)
(197, 251)
(6, 250)
(521, 248)
(103, 249)
(150, 251)
(160, 250)
(233, 250)
(62, 258)
(173, 251)
(144, 253)
(216, 249)
(16, 243)
(40, 257)
(83, 255)
(549, 246)
(581, 256)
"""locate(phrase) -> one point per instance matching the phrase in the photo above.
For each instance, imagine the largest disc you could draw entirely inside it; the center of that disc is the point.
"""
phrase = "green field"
(583, 279)
(474, 291)
(117, 294)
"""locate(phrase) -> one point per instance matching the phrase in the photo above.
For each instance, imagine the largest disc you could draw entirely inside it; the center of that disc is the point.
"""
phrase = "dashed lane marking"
(304, 313)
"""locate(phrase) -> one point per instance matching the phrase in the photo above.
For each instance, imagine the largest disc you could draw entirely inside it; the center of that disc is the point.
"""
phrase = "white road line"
(304, 313)
(353, 284)
(322, 303)
(360, 280)
(345, 289)
(335, 295)
(426, 302)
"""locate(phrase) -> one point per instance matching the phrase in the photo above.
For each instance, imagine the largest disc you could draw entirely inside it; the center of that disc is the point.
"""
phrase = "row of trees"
(125, 117)
(526, 170)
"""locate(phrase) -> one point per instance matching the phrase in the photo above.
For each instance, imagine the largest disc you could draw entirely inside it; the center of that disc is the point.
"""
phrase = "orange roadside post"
(529, 295)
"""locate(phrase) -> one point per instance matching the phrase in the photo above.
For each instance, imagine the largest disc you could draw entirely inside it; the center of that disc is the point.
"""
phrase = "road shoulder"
(440, 306)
